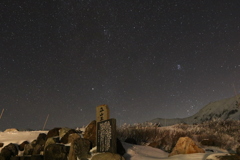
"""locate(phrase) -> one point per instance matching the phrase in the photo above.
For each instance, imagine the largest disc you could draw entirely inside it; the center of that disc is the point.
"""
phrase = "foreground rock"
(64, 139)
(90, 133)
(79, 149)
(53, 133)
(185, 145)
(9, 151)
(56, 152)
(107, 156)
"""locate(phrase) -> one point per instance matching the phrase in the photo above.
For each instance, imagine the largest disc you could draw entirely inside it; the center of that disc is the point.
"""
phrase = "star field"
(145, 59)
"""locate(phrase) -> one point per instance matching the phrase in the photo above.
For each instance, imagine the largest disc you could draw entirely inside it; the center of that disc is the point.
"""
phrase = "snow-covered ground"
(134, 152)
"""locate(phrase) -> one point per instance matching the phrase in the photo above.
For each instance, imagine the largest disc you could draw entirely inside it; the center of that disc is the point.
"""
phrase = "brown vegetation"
(223, 134)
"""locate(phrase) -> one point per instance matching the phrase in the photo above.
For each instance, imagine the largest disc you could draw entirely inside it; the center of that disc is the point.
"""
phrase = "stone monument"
(106, 130)
(106, 136)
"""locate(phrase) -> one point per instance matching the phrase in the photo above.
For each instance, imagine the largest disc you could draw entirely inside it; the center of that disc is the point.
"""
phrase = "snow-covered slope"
(224, 109)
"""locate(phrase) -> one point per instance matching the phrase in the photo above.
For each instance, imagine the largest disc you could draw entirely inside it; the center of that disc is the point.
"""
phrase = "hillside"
(226, 109)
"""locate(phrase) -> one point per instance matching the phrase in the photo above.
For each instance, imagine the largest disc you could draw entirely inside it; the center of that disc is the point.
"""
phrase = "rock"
(56, 152)
(5, 154)
(63, 131)
(238, 150)
(34, 143)
(41, 139)
(131, 141)
(186, 145)
(120, 149)
(11, 130)
(64, 139)
(38, 149)
(107, 156)
(208, 142)
(9, 150)
(72, 137)
(51, 140)
(90, 132)
(53, 132)
(28, 149)
(40, 142)
(21, 146)
(2, 157)
(1, 145)
(79, 149)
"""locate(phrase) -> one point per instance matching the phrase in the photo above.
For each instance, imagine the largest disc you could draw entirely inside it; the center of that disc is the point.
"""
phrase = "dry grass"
(224, 134)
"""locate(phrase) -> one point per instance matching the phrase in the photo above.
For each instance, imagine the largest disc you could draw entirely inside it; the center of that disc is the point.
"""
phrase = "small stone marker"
(102, 112)
(106, 136)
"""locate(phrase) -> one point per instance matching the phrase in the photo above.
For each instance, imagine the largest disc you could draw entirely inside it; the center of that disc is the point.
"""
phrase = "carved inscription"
(106, 136)
(102, 113)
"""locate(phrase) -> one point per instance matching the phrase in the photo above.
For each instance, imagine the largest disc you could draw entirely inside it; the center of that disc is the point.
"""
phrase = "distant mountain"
(226, 109)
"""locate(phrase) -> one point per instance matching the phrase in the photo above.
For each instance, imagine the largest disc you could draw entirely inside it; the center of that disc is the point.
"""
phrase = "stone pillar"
(106, 136)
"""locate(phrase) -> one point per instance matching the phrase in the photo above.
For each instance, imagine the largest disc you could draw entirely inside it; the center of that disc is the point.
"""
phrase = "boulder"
(63, 131)
(64, 139)
(34, 143)
(5, 154)
(38, 149)
(9, 150)
(90, 132)
(28, 149)
(72, 137)
(131, 140)
(56, 152)
(53, 133)
(79, 149)
(107, 156)
(41, 139)
(51, 140)
(2, 157)
(186, 145)
(22, 145)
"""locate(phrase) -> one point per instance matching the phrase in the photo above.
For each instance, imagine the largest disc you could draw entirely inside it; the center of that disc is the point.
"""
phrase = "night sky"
(145, 59)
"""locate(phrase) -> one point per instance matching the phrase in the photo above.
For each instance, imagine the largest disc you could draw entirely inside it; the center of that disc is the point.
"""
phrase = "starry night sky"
(145, 59)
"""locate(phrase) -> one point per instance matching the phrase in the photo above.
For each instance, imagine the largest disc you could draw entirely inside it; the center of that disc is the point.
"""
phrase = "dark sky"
(146, 59)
